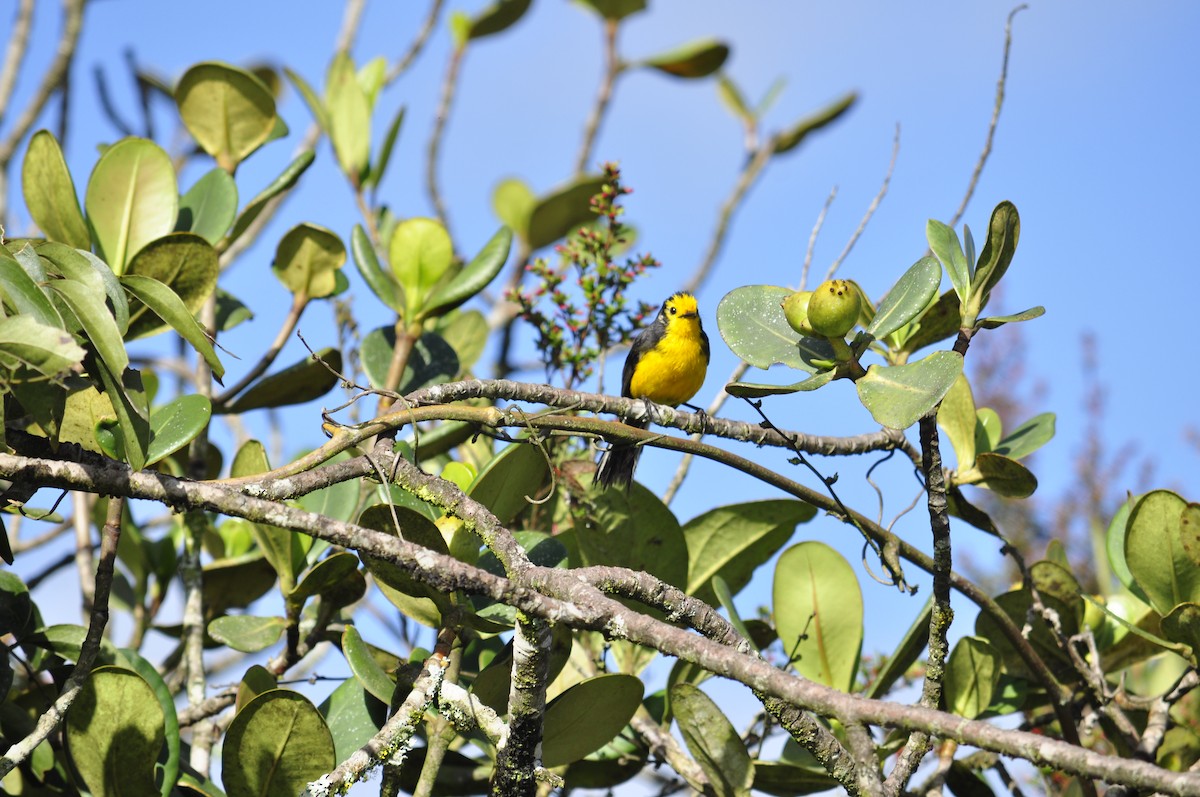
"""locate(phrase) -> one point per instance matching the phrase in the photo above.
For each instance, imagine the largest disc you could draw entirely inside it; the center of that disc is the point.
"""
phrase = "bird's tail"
(617, 464)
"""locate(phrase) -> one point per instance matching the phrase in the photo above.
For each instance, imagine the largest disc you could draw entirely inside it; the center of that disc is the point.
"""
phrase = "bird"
(666, 364)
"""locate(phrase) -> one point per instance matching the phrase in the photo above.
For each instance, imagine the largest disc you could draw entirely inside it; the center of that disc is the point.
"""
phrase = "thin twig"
(299, 302)
(862, 225)
(612, 68)
(441, 116)
(14, 54)
(812, 238)
(418, 43)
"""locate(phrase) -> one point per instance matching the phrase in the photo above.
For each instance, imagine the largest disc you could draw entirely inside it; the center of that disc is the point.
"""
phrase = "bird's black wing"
(646, 340)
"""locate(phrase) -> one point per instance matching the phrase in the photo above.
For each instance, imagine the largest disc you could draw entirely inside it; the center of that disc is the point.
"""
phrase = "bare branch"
(418, 43)
(14, 54)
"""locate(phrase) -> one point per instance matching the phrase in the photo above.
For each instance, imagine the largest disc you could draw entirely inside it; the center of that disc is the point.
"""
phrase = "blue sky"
(1096, 146)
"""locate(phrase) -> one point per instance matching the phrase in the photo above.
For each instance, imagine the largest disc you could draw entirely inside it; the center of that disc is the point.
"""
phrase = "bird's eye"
(674, 310)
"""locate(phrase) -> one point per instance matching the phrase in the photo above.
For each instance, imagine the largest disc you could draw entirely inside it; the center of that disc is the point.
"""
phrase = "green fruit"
(833, 308)
(795, 310)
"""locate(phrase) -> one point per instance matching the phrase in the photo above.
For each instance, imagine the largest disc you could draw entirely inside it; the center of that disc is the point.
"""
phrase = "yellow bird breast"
(672, 371)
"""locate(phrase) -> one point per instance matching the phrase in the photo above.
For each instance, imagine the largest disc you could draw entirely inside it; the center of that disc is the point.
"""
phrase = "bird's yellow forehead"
(683, 302)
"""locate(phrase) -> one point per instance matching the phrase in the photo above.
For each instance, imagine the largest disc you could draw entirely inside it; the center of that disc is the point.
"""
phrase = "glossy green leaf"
(247, 633)
(353, 717)
(615, 9)
(349, 116)
(1003, 476)
(310, 97)
(498, 17)
(988, 429)
(24, 341)
(86, 268)
(904, 656)
(275, 745)
(227, 110)
(415, 599)
(939, 321)
(135, 661)
(431, 360)
(759, 389)
(307, 260)
(368, 672)
(280, 184)
(1016, 604)
(1028, 437)
(304, 381)
(588, 716)
(166, 305)
(326, 576)
(209, 207)
(379, 168)
(473, 278)
(733, 541)
(911, 294)
(184, 262)
(1155, 554)
(256, 680)
(972, 674)
(944, 243)
(114, 732)
(819, 613)
(712, 741)
(49, 192)
(237, 582)
(1004, 230)
(176, 424)
(897, 396)
(751, 322)
(635, 529)
(513, 203)
(1182, 625)
(98, 323)
(992, 322)
(420, 253)
(956, 417)
(787, 140)
(731, 97)
(694, 60)
(131, 199)
(381, 282)
(22, 294)
(557, 214)
(511, 480)
(467, 333)
(786, 780)
(231, 311)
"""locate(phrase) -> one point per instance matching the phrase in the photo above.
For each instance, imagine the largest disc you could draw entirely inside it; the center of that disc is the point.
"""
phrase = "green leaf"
(497, 17)
(231, 312)
(307, 260)
(420, 253)
(368, 672)
(897, 396)
(176, 424)
(635, 529)
(972, 674)
(256, 680)
(75, 264)
(166, 304)
(751, 322)
(209, 207)
(114, 733)
(247, 633)
(353, 717)
(135, 661)
(511, 480)
(943, 240)
(693, 60)
(50, 351)
(911, 294)
(557, 214)
(431, 360)
(786, 780)
(904, 656)
(275, 745)
(416, 600)
(381, 283)
(513, 202)
(939, 321)
(1001, 475)
(473, 278)
(1004, 230)
(379, 168)
(184, 262)
(304, 381)
(758, 389)
(131, 199)
(956, 417)
(1016, 604)
(819, 613)
(791, 138)
(326, 576)
(1028, 437)
(349, 116)
(732, 97)
(50, 192)
(466, 332)
(988, 429)
(993, 322)
(1155, 554)
(713, 742)
(733, 541)
(227, 110)
(1182, 624)
(615, 9)
(282, 183)
(587, 716)
(311, 99)
(22, 294)
(98, 323)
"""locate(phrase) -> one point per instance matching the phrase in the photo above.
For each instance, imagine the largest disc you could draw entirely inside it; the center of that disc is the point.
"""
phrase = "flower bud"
(833, 308)
(795, 310)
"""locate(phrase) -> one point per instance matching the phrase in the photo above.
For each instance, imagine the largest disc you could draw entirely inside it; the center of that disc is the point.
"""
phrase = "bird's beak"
(691, 315)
